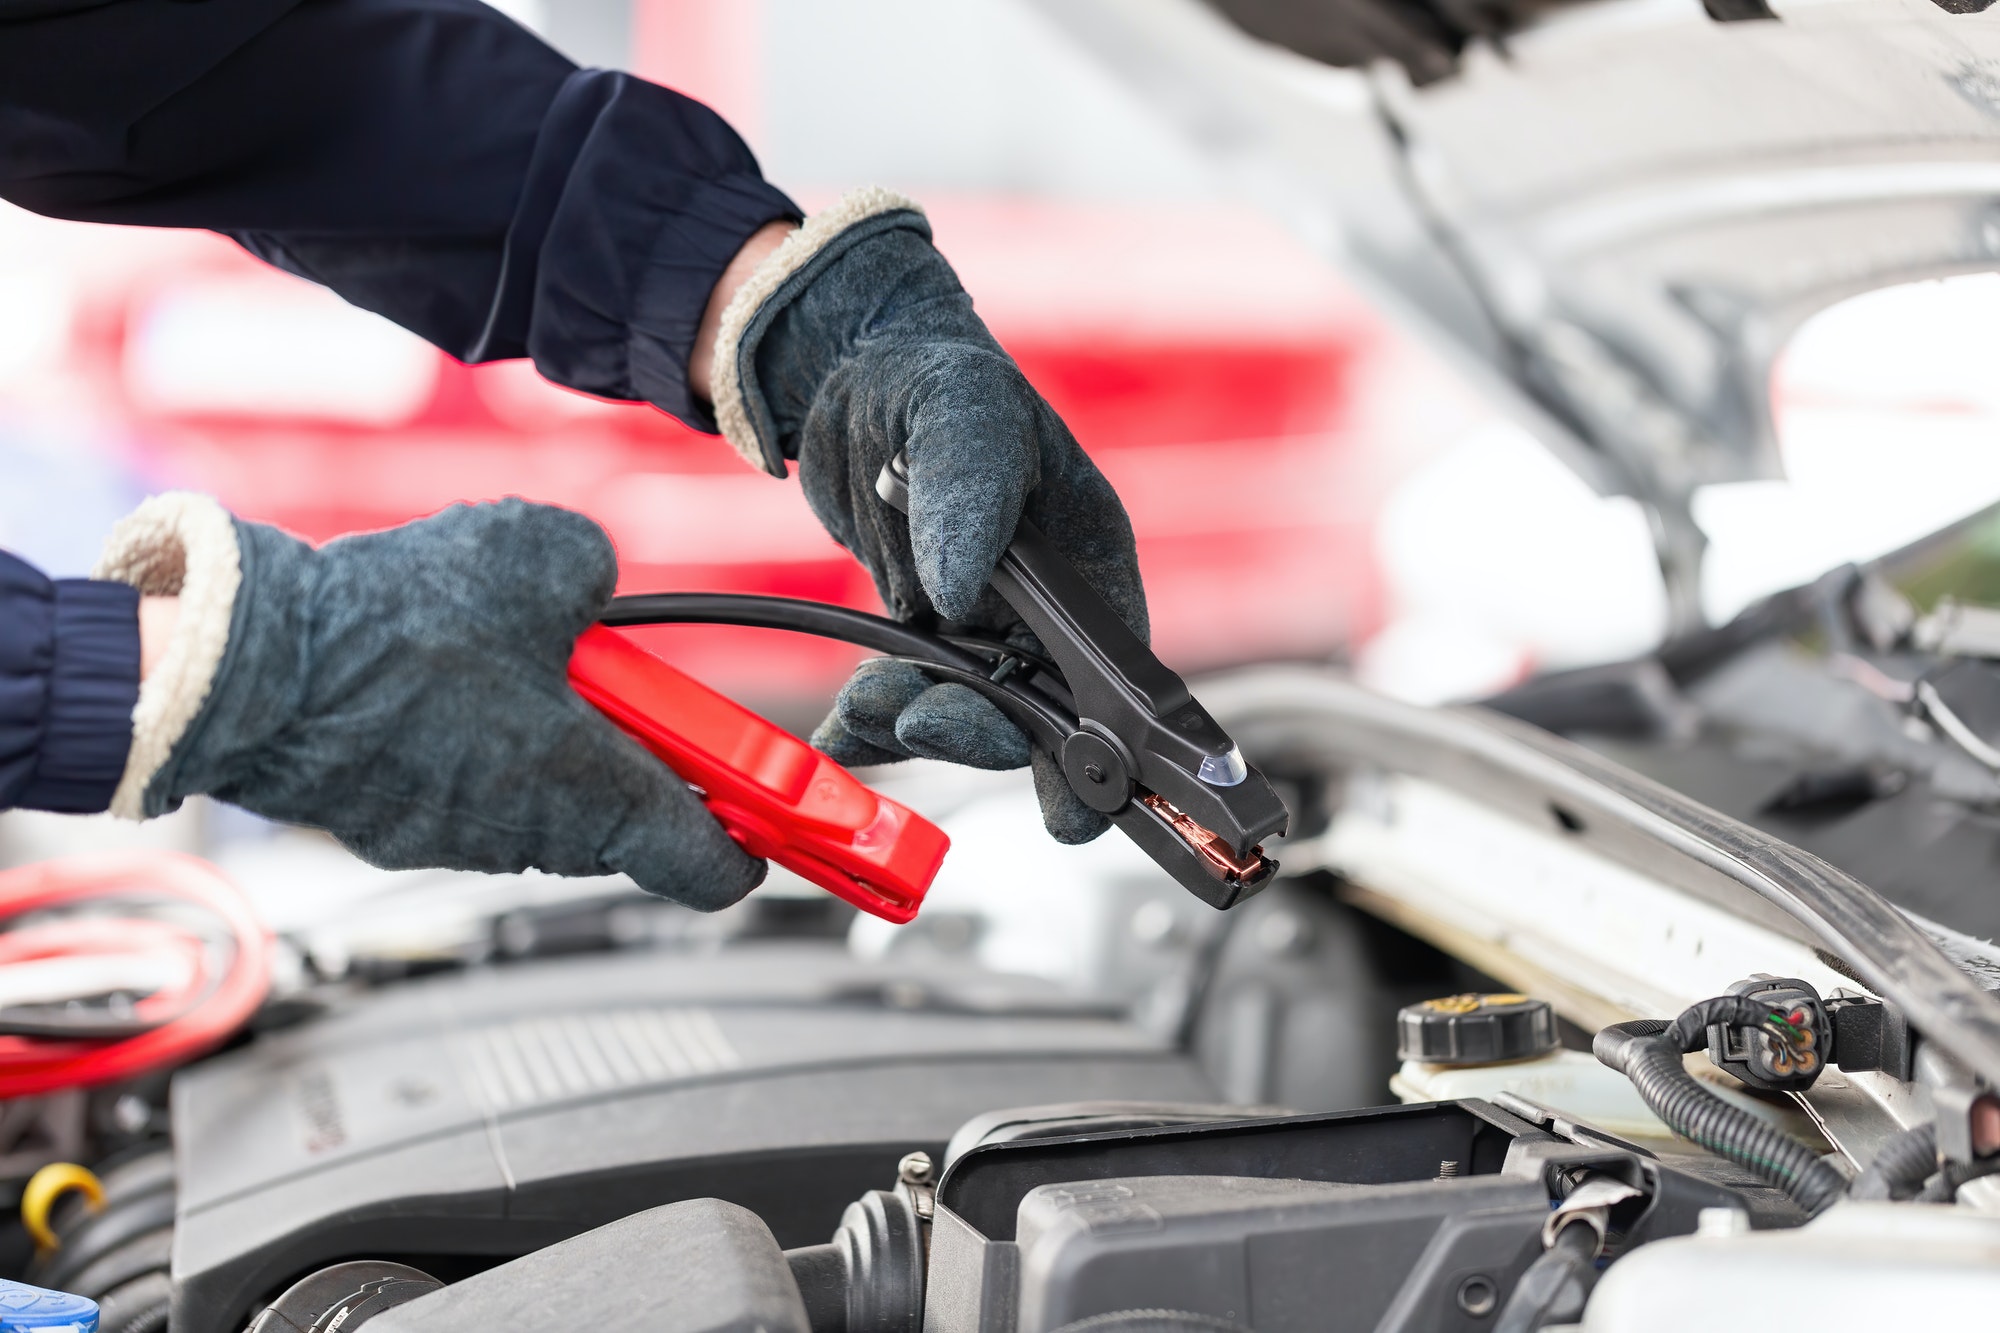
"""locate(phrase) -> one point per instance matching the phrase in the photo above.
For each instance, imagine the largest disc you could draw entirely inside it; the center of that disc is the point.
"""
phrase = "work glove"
(406, 691)
(854, 342)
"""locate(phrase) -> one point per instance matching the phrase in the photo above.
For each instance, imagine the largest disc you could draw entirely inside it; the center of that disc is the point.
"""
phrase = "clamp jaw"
(1133, 742)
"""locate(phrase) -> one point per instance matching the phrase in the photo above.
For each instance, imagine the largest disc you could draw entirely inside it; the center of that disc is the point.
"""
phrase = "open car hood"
(1614, 212)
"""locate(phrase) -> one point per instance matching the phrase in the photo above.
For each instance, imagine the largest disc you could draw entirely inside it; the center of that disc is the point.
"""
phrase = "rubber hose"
(1553, 1289)
(821, 1276)
(98, 1236)
(152, 1319)
(1902, 1166)
(1154, 1321)
(1944, 1186)
(139, 1306)
(1649, 1054)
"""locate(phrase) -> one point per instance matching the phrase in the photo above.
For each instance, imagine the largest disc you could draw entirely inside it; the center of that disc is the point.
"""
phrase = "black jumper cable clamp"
(1132, 741)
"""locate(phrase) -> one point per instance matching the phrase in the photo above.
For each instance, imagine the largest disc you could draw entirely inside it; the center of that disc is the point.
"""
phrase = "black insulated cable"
(1154, 1321)
(1907, 1169)
(1043, 709)
(1901, 1167)
(1556, 1285)
(802, 617)
(1649, 1053)
(1944, 1186)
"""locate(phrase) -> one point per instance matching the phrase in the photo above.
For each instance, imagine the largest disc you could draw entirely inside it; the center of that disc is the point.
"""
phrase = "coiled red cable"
(32, 1065)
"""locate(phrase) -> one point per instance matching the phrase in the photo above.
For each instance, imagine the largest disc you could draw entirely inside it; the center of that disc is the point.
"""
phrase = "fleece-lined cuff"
(174, 545)
(93, 684)
(739, 406)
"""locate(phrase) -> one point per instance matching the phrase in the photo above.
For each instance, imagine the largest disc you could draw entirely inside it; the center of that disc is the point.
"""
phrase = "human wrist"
(158, 617)
(744, 410)
(762, 242)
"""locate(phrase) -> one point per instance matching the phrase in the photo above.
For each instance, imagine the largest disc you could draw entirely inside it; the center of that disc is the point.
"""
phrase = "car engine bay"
(606, 1108)
(1642, 996)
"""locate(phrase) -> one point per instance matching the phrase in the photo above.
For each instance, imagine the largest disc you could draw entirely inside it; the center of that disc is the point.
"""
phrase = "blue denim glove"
(407, 691)
(852, 343)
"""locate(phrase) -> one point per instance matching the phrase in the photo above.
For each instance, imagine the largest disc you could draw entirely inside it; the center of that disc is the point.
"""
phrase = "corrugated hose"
(1649, 1053)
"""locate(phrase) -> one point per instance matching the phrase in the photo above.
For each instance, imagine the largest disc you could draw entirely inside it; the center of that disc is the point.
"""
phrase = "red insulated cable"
(29, 1066)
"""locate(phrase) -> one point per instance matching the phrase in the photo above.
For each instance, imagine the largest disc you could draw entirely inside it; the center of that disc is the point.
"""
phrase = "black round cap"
(1475, 1029)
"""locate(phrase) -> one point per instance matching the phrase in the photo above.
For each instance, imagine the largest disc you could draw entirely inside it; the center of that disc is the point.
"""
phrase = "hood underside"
(1617, 212)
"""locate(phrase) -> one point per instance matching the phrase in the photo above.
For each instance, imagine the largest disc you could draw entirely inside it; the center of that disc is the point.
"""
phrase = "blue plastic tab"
(24, 1308)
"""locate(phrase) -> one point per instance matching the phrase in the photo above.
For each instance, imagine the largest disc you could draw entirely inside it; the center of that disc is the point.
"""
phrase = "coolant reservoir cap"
(1475, 1029)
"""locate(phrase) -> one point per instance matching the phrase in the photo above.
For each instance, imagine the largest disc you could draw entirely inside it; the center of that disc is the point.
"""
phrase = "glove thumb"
(668, 842)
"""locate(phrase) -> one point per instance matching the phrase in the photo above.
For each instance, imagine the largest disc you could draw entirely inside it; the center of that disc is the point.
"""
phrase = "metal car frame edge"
(1291, 715)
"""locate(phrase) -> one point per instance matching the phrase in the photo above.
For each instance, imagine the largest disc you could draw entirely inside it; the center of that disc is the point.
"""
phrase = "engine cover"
(496, 1112)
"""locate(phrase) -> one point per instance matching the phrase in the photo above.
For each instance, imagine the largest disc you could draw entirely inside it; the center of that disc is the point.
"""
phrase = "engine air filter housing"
(1475, 1029)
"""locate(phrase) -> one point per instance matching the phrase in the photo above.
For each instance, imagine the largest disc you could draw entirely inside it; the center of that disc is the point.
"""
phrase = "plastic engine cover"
(497, 1112)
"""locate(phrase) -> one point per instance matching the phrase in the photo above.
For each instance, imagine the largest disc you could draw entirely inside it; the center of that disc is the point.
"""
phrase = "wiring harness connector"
(1649, 1052)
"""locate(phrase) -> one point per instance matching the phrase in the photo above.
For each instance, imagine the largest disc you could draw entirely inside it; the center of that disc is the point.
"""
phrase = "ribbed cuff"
(632, 246)
(690, 253)
(93, 686)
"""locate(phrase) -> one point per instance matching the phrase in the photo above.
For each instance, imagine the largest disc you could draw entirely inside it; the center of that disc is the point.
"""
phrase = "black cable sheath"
(1553, 1289)
(1044, 715)
(1944, 1186)
(789, 613)
(1649, 1053)
(1689, 1032)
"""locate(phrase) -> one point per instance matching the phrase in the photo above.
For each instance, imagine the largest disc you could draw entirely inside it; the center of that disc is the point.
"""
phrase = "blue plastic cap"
(23, 1308)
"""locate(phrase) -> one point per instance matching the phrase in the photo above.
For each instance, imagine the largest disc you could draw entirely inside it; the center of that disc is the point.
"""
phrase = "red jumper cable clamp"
(777, 796)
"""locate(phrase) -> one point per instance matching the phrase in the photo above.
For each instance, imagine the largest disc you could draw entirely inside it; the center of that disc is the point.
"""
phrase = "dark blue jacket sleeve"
(69, 675)
(427, 159)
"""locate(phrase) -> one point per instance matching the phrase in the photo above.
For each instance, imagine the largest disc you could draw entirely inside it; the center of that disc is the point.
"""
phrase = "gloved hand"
(852, 342)
(407, 691)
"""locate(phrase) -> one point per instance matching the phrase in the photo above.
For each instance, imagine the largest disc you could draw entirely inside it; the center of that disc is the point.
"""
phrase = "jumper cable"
(1132, 741)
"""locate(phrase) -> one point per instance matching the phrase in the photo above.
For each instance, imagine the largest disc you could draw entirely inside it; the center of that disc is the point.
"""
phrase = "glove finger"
(1064, 814)
(1081, 513)
(973, 460)
(962, 726)
(703, 869)
(530, 576)
(874, 697)
(833, 739)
